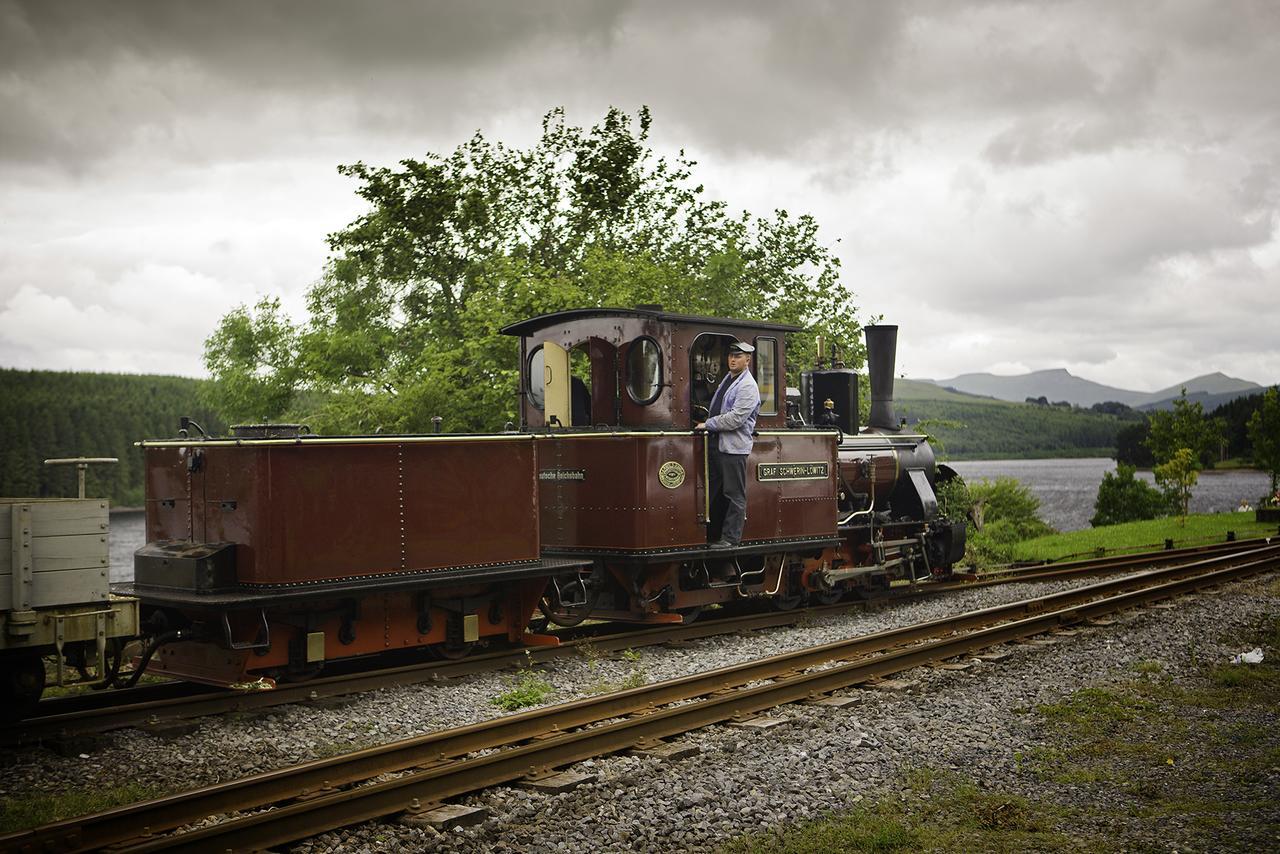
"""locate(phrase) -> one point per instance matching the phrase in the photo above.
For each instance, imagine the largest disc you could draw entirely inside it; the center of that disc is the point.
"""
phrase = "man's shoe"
(721, 544)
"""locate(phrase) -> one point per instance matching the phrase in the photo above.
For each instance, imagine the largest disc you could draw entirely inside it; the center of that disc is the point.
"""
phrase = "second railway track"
(323, 795)
(88, 713)
(84, 714)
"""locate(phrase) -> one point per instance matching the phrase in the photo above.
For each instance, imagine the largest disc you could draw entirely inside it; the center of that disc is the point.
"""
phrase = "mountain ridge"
(1059, 384)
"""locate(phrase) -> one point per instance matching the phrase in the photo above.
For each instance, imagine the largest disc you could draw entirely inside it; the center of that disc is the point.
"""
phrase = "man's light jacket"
(737, 419)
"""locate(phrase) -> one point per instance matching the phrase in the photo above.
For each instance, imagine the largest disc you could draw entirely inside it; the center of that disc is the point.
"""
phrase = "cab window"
(767, 374)
(536, 374)
(644, 370)
(708, 365)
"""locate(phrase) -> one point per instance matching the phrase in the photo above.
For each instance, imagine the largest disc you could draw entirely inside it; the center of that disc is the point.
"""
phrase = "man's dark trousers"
(728, 487)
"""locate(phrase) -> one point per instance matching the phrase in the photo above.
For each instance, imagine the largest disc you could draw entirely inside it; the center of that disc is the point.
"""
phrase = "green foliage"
(1124, 498)
(264, 339)
(1007, 501)
(954, 500)
(1184, 426)
(1131, 445)
(1003, 512)
(403, 324)
(527, 689)
(49, 414)
(1264, 433)
(1235, 415)
(1177, 476)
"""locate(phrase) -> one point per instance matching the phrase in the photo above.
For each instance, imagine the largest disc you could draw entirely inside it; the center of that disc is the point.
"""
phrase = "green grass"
(33, 810)
(1200, 752)
(1196, 529)
(934, 812)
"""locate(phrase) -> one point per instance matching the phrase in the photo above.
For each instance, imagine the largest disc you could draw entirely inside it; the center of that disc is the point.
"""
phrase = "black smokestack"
(882, 351)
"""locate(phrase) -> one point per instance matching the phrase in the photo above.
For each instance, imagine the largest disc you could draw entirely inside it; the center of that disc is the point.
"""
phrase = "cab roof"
(526, 327)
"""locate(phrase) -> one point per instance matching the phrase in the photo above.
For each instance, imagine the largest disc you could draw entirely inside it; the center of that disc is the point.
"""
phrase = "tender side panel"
(168, 494)
(303, 514)
(235, 492)
(470, 503)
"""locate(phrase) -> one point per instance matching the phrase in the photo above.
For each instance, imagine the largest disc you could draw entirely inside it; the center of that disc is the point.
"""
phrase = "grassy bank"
(933, 811)
(1197, 529)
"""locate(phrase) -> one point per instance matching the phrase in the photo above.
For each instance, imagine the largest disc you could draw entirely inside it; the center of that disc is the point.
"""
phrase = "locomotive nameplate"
(671, 474)
(793, 471)
(562, 474)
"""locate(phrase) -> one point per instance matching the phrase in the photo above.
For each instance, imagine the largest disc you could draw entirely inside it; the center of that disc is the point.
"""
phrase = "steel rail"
(431, 785)
(99, 718)
(102, 712)
(1121, 560)
(124, 823)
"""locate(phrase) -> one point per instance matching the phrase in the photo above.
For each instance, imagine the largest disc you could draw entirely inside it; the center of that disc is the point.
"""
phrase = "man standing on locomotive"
(732, 417)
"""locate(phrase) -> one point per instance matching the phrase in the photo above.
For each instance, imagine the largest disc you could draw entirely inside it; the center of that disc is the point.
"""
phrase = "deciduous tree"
(403, 324)
(1264, 433)
(1177, 476)
(1184, 426)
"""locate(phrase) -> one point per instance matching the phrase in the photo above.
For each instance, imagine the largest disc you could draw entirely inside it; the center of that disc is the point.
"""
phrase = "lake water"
(1066, 489)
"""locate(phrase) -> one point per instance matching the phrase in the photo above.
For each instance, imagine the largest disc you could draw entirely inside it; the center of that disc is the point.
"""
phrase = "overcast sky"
(1019, 186)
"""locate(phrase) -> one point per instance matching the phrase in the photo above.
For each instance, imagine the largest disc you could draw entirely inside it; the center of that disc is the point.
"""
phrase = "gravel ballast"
(743, 780)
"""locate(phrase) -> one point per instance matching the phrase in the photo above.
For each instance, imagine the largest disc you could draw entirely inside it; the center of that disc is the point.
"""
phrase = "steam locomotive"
(274, 551)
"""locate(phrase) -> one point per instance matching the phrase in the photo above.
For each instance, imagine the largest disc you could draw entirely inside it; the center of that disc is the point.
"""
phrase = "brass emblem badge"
(671, 474)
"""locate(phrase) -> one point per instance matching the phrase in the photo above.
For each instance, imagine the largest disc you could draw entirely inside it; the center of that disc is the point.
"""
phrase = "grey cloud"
(1066, 181)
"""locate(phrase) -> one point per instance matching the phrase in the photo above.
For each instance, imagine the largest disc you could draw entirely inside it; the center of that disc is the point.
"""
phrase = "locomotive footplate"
(705, 551)
(246, 596)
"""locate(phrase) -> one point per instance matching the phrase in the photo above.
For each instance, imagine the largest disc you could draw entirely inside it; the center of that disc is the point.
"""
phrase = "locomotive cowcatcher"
(274, 551)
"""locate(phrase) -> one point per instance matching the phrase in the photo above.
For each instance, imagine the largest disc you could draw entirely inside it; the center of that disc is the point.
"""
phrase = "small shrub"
(954, 500)
(635, 679)
(1124, 498)
(1003, 513)
(528, 689)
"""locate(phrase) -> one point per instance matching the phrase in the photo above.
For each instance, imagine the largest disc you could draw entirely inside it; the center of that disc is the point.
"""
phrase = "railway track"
(293, 803)
(159, 704)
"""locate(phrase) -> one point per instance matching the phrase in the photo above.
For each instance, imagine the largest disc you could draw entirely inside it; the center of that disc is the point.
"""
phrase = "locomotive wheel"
(21, 684)
(295, 674)
(688, 615)
(828, 597)
(787, 603)
(451, 651)
(568, 615)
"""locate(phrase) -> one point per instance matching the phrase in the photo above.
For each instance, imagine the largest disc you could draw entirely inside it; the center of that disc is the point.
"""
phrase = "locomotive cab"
(639, 368)
(628, 488)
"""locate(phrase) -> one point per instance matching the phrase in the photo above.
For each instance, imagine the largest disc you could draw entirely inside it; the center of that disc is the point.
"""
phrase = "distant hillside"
(47, 414)
(904, 389)
(1211, 390)
(1061, 385)
(969, 427)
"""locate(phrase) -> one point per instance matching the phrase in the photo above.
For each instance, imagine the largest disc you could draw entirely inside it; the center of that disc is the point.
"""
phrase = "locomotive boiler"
(274, 551)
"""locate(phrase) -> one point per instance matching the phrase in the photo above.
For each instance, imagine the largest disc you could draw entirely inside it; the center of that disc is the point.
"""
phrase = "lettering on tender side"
(562, 474)
(793, 471)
